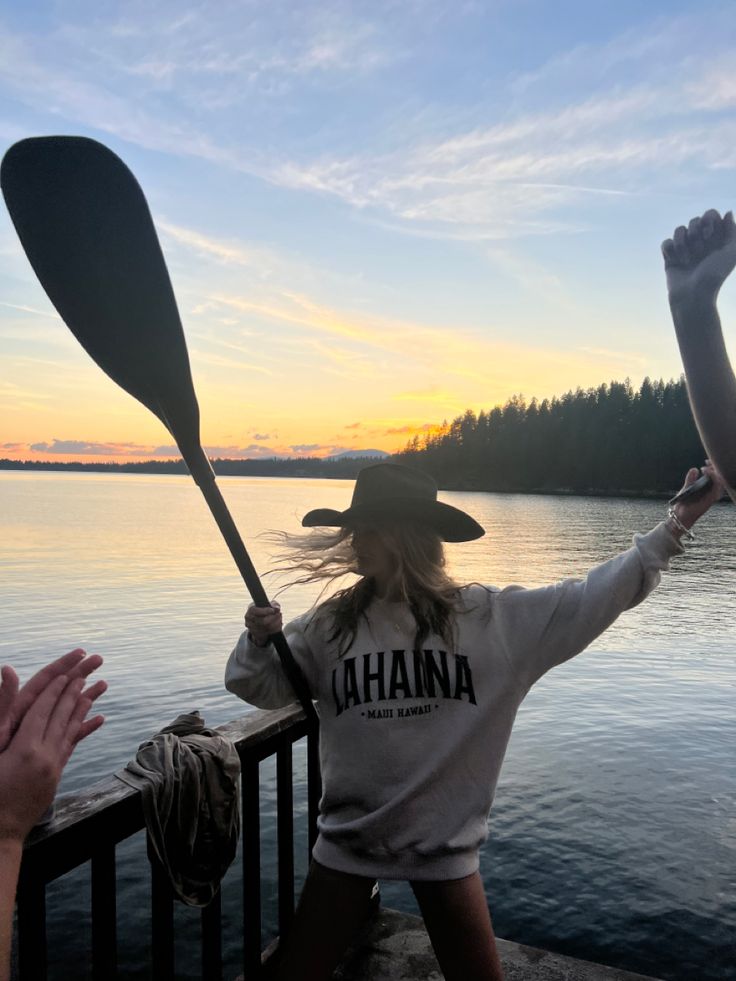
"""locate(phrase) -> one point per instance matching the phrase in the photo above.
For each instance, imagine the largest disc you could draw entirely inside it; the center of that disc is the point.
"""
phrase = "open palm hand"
(15, 701)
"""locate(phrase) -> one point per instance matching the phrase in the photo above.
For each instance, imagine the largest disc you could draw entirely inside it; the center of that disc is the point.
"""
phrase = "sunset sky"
(375, 215)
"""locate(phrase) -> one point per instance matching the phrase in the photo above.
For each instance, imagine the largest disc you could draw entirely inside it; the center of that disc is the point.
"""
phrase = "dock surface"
(395, 947)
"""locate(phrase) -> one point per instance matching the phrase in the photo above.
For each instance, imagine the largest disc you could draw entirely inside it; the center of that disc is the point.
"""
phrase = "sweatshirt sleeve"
(541, 628)
(255, 674)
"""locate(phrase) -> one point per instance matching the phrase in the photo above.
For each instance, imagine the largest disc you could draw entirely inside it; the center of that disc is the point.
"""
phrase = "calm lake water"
(613, 836)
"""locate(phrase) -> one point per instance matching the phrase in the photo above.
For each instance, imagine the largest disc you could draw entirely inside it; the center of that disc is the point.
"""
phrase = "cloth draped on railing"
(188, 778)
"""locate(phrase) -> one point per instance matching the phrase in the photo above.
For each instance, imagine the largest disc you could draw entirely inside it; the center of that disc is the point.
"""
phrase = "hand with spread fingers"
(32, 762)
(263, 621)
(698, 260)
(15, 701)
(40, 724)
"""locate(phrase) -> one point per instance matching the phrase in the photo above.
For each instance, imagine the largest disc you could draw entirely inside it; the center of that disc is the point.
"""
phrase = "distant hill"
(359, 454)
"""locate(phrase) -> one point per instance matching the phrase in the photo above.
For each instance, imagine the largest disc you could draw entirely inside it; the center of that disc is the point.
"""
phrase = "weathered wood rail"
(88, 826)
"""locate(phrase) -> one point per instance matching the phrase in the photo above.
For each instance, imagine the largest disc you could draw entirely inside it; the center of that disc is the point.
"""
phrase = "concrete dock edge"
(395, 947)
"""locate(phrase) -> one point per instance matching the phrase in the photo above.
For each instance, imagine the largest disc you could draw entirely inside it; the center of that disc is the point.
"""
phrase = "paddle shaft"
(203, 474)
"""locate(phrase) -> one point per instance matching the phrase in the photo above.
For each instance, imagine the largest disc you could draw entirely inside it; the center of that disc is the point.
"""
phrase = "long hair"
(419, 577)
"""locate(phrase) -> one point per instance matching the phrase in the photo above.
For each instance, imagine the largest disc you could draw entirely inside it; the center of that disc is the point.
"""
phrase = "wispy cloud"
(664, 47)
(135, 451)
(38, 82)
(216, 48)
(22, 308)
(509, 178)
(155, 79)
(715, 90)
(230, 253)
(220, 361)
(467, 355)
(504, 179)
(496, 180)
(426, 428)
(78, 447)
(532, 276)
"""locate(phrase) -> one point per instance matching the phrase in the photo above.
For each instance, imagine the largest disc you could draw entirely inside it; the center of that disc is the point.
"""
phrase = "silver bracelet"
(689, 535)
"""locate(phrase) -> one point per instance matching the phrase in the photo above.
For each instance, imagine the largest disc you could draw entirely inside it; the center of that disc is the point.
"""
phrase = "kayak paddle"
(86, 228)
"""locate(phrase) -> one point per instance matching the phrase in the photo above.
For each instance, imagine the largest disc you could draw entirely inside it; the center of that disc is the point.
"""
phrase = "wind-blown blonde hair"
(419, 576)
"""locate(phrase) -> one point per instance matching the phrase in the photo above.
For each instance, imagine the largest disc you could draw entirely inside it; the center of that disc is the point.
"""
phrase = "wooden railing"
(88, 826)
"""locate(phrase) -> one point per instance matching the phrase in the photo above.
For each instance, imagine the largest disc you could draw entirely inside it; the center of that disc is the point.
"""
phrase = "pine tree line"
(609, 439)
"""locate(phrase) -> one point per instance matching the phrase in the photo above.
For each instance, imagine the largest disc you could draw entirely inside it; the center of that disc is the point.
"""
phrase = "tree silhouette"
(609, 439)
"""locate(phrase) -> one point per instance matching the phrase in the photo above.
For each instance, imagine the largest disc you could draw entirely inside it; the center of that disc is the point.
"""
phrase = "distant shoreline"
(343, 467)
(315, 468)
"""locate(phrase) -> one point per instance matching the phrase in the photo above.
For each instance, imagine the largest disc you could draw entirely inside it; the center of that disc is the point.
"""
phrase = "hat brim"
(451, 524)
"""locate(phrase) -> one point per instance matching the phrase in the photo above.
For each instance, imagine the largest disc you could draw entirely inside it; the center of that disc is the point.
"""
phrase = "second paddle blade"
(86, 228)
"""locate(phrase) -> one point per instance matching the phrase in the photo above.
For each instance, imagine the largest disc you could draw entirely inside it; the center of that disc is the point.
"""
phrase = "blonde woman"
(417, 680)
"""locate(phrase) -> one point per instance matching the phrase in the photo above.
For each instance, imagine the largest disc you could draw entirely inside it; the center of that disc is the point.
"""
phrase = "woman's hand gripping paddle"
(87, 231)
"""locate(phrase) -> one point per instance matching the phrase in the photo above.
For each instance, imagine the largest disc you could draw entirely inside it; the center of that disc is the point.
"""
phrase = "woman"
(417, 681)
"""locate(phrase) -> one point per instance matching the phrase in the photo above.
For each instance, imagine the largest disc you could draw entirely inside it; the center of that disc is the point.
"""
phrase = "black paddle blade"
(87, 231)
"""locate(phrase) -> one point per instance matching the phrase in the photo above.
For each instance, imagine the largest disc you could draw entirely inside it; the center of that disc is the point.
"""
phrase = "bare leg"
(459, 925)
(332, 907)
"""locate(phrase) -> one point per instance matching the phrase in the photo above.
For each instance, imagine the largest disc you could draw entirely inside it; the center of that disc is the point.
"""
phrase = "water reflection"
(613, 831)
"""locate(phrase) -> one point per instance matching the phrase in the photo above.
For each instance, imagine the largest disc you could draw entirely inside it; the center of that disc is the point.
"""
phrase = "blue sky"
(375, 215)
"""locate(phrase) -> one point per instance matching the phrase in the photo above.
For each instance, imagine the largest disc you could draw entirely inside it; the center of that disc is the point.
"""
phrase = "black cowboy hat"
(390, 490)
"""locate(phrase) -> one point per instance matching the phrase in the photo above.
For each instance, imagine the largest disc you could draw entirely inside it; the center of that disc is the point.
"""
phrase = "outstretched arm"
(698, 260)
(540, 628)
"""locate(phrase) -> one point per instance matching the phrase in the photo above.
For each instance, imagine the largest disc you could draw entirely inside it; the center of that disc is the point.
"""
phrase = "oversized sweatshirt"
(412, 741)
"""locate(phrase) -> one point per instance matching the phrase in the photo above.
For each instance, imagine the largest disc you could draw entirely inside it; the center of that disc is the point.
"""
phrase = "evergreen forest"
(605, 440)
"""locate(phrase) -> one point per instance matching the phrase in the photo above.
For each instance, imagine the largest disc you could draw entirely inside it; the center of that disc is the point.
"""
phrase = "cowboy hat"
(390, 490)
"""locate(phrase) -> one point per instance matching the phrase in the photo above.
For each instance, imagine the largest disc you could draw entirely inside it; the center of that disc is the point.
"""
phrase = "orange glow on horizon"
(390, 440)
(387, 436)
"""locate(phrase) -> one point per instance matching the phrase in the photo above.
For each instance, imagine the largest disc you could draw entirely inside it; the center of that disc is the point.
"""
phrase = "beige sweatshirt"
(412, 742)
